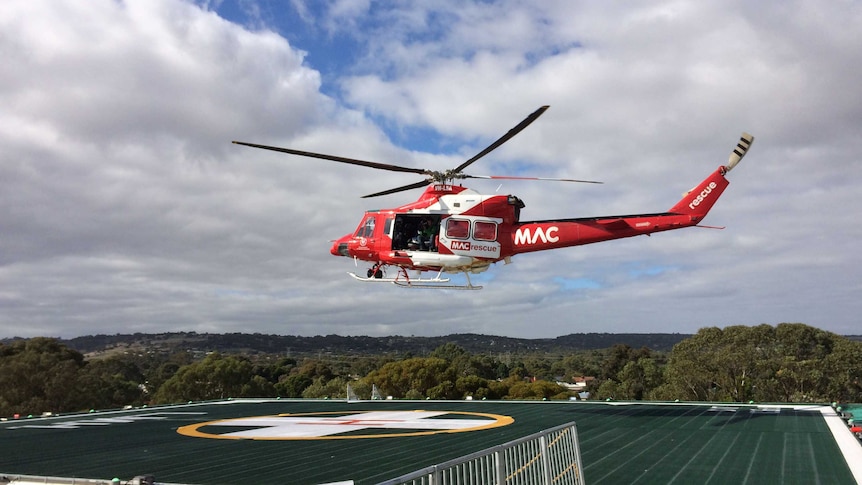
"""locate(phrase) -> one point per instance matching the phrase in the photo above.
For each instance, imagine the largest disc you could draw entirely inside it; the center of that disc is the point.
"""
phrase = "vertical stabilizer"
(698, 201)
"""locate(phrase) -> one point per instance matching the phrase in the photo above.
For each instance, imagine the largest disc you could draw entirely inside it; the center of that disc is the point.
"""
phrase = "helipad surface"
(313, 442)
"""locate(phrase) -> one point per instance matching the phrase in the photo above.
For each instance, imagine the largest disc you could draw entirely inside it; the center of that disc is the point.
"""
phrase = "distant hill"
(256, 343)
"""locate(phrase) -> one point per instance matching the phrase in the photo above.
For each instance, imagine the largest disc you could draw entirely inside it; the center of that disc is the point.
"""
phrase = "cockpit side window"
(367, 228)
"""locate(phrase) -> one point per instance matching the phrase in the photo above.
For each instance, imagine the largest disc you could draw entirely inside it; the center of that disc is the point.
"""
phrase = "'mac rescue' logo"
(474, 247)
(525, 236)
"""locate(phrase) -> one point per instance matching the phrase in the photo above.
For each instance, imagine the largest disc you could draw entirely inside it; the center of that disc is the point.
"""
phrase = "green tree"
(110, 383)
(277, 370)
(38, 375)
(471, 385)
(330, 389)
(580, 364)
(610, 389)
(160, 372)
(293, 386)
(789, 362)
(536, 390)
(258, 386)
(639, 378)
(316, 368)
(418, 373)
(539, 367)
(449, 352)
(843, 372)
(215, 377)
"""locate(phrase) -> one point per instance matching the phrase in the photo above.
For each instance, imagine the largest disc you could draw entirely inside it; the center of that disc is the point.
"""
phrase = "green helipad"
(314, 442)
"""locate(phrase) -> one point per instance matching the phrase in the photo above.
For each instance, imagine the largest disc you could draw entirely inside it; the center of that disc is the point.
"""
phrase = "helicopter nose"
(339, 248)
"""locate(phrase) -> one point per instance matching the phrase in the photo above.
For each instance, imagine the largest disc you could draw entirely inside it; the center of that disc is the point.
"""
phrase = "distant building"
(578, 384)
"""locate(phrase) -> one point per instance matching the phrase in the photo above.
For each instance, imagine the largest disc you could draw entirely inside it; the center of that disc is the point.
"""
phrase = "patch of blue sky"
(253, 15)
(336, 51)
(417, 138)
(427, 140)
(534, 57)
(649, 271)
(483, 278)
(330, 53)
(574, 284)
(410, 25)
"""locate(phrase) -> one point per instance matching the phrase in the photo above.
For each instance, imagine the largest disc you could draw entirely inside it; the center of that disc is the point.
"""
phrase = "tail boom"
(689, 211)
(542, 235)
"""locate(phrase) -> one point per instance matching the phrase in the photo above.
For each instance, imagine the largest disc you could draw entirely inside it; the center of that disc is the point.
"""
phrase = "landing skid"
(403, 280)
(397, 280)
(433, 286)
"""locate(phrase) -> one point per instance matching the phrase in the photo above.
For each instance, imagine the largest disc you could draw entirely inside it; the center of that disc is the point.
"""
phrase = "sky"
(125, 208)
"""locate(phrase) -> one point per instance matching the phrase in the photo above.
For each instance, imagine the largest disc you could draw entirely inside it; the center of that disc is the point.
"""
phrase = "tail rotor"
(741, 149)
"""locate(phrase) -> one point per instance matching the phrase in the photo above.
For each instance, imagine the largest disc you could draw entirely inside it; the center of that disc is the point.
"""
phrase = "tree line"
(257, 343)
(790, 362)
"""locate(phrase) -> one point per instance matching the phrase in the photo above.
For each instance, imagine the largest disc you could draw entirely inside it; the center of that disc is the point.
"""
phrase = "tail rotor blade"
(741, 149)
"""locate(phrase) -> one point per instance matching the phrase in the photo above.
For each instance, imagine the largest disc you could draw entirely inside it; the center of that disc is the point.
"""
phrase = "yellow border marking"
(192, 429)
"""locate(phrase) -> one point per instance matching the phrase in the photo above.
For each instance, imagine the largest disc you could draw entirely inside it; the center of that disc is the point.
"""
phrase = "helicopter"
(452, 229)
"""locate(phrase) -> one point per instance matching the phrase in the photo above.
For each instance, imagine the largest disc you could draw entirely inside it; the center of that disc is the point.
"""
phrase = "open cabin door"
(416, 232)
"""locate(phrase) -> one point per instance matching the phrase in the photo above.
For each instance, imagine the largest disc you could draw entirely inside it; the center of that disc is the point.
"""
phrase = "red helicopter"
(453, 229)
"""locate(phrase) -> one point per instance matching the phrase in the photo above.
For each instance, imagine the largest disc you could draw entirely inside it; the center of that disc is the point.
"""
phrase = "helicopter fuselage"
(454, 229)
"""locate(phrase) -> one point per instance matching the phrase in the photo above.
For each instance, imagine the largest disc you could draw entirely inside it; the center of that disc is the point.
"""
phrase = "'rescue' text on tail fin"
(698, 201)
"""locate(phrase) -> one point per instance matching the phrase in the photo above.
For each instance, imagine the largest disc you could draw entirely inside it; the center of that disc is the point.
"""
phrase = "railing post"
(436, 476)
(546, 461)
(500, 466)
(577, 446)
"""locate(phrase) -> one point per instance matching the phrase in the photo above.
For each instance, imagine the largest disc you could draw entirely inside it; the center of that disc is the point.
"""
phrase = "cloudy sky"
(125, 208)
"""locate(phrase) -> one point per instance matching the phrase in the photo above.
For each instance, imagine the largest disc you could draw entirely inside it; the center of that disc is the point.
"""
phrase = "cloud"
(125, 207)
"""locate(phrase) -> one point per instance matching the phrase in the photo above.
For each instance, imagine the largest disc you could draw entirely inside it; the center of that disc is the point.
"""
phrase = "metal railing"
(549, 457)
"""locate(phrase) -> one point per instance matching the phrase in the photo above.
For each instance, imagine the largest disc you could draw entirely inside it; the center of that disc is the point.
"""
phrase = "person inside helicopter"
(426, 235)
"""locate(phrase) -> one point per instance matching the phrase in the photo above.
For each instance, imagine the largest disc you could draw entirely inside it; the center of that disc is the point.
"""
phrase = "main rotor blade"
(334, 158)
(503, 139)
(399, 189)
(505, 177)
